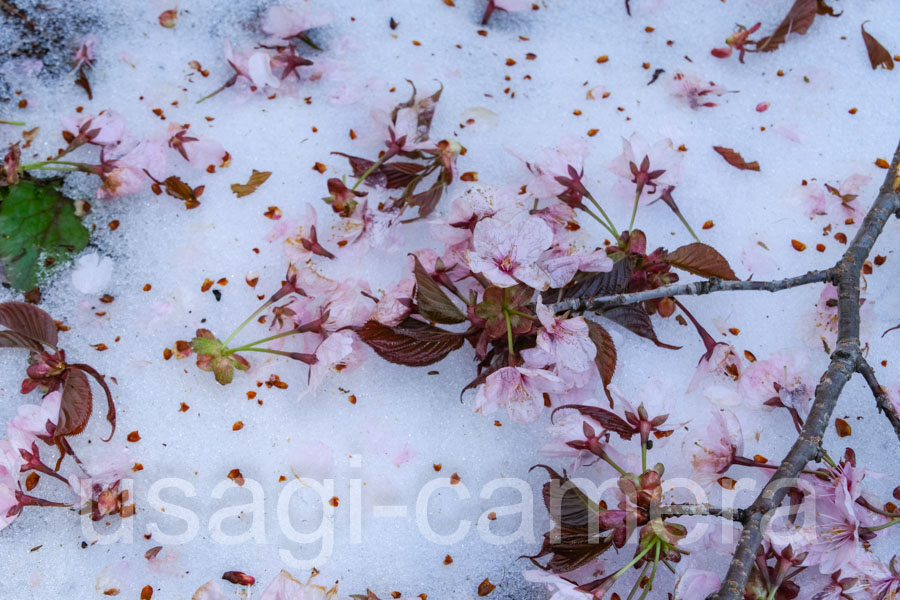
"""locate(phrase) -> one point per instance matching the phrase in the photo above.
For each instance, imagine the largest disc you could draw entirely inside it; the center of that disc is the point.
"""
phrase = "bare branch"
(881, 399)
(698, 288)
(702, 510)
(844, 362)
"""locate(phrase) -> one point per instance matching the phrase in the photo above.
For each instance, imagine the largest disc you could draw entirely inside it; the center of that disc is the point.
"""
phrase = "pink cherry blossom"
(259, 69)
(105, 466)
(712, 453)
(33, 421)
(9, 504)
(565, 343)
(336, 350)
(691, 89)
(84, 56)
(285, 22)
(837, 533)
(550, 163)
(109, 124)
(468, 209)
(696, 584)
(507, 253)
(882, 581)
(124, 176)
(839, 201)
(562, 263)
(396, 304)
(662, 156)
(199, 152)
(520, 389)
(717, 375)
(785, 375)
(348, 305)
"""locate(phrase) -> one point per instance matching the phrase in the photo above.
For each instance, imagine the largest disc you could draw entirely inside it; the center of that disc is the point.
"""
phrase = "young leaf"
(110, 404)
(878, 54)
(29, 321)
(585, 285)
(701, 260)
(735, 159)
(428, 200)
(412, 343)
(75, 404)
(609, 420)
(433, 303)
(38, 226)
(394, 175)
(11, 339)
(606, 353)
(636, 320)
(257, 178)
(798, 20)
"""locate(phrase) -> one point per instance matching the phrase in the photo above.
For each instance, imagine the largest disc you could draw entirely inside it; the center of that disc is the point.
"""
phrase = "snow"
(381, 451)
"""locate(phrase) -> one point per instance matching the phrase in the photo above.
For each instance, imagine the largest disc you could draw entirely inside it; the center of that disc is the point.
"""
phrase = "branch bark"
(702, 510)
(845, 361)
(881, 399)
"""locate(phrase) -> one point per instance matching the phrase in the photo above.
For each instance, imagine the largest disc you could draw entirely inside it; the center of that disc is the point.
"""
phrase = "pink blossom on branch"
(712, 452)
(508, 253)
(565, 343)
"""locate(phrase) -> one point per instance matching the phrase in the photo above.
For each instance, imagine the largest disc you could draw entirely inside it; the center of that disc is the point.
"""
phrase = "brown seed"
(113, 225)
(841, 237)
(238, 425)
(734, 331)
(510, 62)
(146, 592)
(236, 476)
(167, 353)
(842, 427)
(147, 287)
(437, 467)
(852, 111)
(602, 59)
(486, 587)
(137, 467)
(127, 511)
(492, 516)
(879, 260)
(454, 479)
(760, 458)
(207, 283)
(111, 592)
(649, 29)
(184, 407)
(334, 501)
(31, 481)
(592, 132)
(820, 247)
(321, 168)
(708, 225)
(352, 399)
(882, 163)
(100, 347)
(448, 560)
(134, 437)
(798, 245)
(469, 176)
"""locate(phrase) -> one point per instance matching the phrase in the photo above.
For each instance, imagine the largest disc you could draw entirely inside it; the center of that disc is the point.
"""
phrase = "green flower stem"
(267, 351)
(649, 585)
(613, 464)
(44, 163)
(368, 172)
(509, 336)
(612, 227)
(258, 342)
(643, 457)
(687, 226)
(601, 221)
(637, 198)
(634, 561)
(890, 523)
(19, 123)
(637, 584)
(519, 313)
(259, 310)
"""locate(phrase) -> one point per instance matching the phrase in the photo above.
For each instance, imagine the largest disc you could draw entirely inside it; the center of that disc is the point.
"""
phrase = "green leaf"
(37, 226)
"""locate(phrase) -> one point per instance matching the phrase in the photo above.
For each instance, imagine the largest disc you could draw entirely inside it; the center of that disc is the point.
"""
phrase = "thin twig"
(844, 362)
(697, 288)
(703, 510)
(881, 399)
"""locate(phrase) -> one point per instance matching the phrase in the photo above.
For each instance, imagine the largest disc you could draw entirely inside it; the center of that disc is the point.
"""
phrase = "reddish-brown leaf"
(29, 321)
(735, 159)
(635, 319)
(701, 260)
(606, 353)
(608, 419)
(257, 178)
(432, 302)
(878, 54)
(798, 20)
(412, 343)
(75, 404)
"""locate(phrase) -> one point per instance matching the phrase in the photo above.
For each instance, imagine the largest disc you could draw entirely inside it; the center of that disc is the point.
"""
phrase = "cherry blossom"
(691, 89)
(713, 452)
(466, 210)
(34, 421)
(565, 343)
(396, 304)
(106, 129)
(785, 375)
(199, 152)
(335, 351)
(553, 162)
(696, 584)
(562, 263)
(717, 374)
(838, 201)
(285, 587)
(125, 176)
(661, 156)
(507, 252)
(285, 22)
(881, 581)
(837, 540)
(520, 389)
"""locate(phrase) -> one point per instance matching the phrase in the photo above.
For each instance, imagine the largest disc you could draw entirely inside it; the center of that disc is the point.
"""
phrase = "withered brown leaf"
(256, 179)
(798, 20)
(735, 159)
(878, 54)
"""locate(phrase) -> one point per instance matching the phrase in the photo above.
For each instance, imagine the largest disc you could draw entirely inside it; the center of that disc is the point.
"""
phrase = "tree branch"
(702, 510)
(697, 288)
(881, 399)
(844, 362)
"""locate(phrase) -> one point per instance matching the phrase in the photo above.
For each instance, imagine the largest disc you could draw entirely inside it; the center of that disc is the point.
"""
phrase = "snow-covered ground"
(527, 81)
